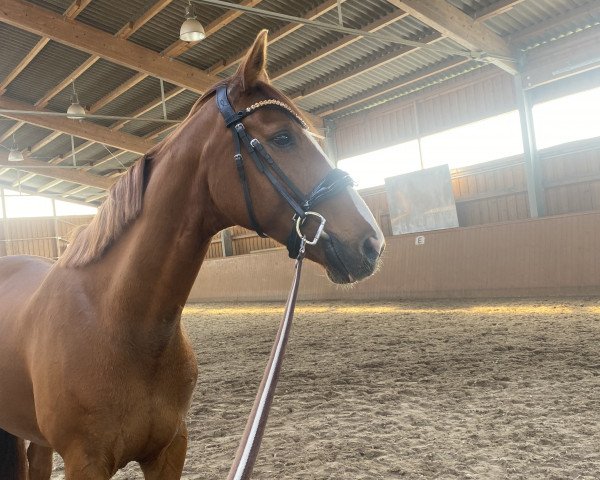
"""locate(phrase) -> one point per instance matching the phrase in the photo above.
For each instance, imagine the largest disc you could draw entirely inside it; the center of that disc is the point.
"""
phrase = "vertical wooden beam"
(533, 167)
(4, 237)
(226, 242)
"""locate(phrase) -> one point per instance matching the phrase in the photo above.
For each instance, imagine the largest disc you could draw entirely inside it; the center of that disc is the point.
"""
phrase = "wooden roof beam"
(149, 106)
(9, 133)
(343, 42)
(460, 27)
(143, 19)
(403, 83)
(125, 32)
(82, 129)
(68, 174)
(497, 8)
(172, 51)
(275, 36)
(37, 48)
(572, 16)
(71, 12)
(109, 97)
(41, 21)
(357, 69)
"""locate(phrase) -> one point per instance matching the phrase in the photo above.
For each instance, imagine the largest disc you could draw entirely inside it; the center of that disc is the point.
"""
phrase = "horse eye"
(283, 140)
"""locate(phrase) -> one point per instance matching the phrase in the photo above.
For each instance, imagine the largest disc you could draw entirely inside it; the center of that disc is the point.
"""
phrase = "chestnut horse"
(93, 360)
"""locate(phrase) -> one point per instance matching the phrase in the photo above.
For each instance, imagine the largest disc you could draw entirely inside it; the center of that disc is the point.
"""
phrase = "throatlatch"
(334, 182)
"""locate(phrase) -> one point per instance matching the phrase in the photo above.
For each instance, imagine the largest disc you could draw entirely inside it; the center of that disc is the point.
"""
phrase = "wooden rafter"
(172, 51)
(38, 20)
(80, 70)
(497, 8)
(37, 48)
(81, 129)
(9, 133)
(70, 175)
(276, 36)
(109, 97)
(355, 70)
(460, 27)
(124, 33)
(71, 12)
(76, 8)
(343, 42)
(148, 15)
(572, 16)
(149, 106)
(404, 83)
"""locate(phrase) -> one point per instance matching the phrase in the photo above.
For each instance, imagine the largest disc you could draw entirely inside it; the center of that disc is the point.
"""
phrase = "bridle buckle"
(300, 221)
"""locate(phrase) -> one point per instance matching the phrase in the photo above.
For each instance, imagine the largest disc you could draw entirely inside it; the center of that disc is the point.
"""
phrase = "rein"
(302, 205)
(242, 466)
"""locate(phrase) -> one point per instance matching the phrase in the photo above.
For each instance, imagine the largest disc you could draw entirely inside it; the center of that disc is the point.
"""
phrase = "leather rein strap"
(333, 183)
(242, 466)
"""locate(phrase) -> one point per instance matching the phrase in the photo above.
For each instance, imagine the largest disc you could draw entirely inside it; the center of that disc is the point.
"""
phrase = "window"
(371, 169)
(482, 141)
(567, 119)
(68, 208)
(20, 205)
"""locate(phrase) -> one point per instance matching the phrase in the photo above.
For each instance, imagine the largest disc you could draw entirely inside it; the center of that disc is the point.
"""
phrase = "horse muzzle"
(345, 265)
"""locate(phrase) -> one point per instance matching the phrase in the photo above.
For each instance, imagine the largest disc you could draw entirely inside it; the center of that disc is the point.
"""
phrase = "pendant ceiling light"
(15, 155)
(75, 110)
(191, 29)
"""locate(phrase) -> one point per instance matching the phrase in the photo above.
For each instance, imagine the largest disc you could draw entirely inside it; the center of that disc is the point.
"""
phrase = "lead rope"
(255, 426)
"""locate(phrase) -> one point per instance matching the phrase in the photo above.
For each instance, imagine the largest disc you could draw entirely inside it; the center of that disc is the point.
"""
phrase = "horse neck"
(152, 268)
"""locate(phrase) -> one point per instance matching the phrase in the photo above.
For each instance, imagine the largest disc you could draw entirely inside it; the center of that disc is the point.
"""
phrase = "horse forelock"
(119, 210)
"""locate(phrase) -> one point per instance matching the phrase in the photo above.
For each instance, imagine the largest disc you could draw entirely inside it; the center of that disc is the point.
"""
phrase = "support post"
(162, 98)
(533, 168)
(4, 239)
(56, 232)
(330, 147)
(418, 133)
(226, 243)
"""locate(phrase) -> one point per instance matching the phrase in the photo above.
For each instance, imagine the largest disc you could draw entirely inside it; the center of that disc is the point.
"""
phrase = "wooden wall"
(548, 256)
(46, 237)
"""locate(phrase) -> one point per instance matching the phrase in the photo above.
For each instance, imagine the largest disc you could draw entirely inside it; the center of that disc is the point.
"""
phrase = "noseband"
(334, 182)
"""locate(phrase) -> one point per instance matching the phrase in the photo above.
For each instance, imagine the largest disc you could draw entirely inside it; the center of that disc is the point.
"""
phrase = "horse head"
(274, 137)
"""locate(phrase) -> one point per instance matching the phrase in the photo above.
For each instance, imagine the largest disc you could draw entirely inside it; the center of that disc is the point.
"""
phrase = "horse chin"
(342, 266)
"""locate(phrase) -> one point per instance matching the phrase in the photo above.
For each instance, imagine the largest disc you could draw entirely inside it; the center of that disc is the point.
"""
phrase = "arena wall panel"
(550, 256)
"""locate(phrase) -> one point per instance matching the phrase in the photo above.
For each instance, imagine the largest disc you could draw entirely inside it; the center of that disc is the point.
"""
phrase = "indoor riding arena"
(452, 332)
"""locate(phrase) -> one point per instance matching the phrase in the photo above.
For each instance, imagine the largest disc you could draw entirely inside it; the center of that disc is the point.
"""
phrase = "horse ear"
(253, 68)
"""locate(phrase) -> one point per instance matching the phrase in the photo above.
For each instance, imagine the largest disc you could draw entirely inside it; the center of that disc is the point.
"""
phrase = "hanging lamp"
(191, 29)
(75, 110)
(15, 155)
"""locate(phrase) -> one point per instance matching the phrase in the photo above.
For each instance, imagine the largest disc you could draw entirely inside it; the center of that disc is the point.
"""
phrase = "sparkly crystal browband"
(278, 103)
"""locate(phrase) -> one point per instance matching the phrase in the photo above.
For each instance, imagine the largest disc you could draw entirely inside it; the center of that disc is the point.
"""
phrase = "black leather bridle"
(334, 182)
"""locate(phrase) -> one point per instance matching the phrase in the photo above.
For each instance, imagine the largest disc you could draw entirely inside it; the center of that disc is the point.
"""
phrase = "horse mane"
(117, 212)
(125, 198)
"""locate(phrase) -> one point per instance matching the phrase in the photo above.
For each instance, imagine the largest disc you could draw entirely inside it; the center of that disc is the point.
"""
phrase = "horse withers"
(93, 360)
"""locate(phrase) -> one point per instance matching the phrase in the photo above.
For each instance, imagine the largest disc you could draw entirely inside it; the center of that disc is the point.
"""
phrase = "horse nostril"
(373, 248)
